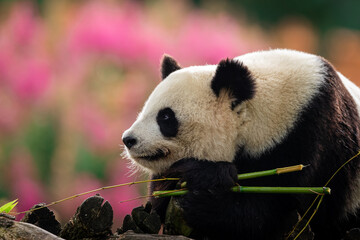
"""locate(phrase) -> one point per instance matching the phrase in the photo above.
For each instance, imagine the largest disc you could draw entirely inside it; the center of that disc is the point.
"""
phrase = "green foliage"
(3, 192)
(40, 139)
(39, 4)
(323, 14)
(8, 206)
(87, 161)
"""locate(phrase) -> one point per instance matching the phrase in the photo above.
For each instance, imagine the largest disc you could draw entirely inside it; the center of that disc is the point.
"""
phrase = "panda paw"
(202, 176)
(209, 202)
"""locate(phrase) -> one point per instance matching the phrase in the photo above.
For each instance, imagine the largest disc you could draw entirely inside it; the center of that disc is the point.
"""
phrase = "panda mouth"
(159, 154)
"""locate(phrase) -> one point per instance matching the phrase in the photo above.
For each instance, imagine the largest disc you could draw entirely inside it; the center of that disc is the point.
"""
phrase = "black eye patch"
(167, 122)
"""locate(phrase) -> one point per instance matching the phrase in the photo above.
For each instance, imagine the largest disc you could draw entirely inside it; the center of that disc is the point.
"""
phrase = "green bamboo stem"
(265, 173)
(170, 193)
(280, 190)
(246, 189)
(275, 171)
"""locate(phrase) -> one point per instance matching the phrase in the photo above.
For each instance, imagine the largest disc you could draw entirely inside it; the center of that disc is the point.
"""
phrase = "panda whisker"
(124, 154)
(134, 168)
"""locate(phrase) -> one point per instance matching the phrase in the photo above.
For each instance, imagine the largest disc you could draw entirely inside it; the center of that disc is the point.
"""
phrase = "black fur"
(216, 178)
(168, 65)
(235, 78)
(326, 134)
(167, 122)
(213, 211)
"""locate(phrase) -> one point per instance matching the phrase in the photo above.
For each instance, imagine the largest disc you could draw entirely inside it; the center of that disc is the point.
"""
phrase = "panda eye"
(164, 117)
(167, 122)
(165, 114)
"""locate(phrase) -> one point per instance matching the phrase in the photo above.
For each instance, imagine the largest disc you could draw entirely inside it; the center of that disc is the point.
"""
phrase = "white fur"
(353, 90)
(206, 131)
(285, 83)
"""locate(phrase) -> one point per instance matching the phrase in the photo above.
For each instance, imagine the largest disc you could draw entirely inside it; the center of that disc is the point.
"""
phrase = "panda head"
(194, 112)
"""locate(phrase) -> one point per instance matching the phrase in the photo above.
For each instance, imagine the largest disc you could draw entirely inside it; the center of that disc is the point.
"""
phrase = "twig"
(158, 194)
(311, 217)
(96, 190)
(312, 204)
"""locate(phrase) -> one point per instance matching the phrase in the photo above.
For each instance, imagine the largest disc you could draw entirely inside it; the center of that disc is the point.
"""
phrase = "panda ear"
(234, 78)
(168, 65)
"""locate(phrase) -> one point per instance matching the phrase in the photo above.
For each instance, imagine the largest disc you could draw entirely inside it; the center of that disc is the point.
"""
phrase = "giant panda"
(259, 111)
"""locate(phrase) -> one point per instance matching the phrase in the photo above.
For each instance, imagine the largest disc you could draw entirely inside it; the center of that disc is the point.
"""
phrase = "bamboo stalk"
(265, 173)
(170, 193)
(275, 171)
(246, 189)
(311, 217)
(282, 190)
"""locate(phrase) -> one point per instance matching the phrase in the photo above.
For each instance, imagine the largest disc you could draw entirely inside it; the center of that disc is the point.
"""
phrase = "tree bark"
(13, 230)
(130, 235)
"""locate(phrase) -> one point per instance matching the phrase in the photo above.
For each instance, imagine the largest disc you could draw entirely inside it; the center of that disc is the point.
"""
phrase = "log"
(13, 230)
(130, 235)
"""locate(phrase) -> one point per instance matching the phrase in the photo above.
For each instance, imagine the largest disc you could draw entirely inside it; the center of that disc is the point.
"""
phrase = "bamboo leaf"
(7, 207)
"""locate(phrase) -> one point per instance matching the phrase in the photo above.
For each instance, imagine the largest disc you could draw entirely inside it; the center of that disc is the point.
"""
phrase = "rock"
(141, 221)
(151, 223)
(13, 230)
(43, 218)
(130, 235)
(92, 219)
(139, 215)
(129, 224)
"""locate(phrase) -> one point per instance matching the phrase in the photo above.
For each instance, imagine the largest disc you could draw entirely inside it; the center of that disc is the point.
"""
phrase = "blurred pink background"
(74, 77)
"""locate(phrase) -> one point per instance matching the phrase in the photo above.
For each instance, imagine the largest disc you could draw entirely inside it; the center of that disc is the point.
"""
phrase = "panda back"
(353, 90)
(286, 83)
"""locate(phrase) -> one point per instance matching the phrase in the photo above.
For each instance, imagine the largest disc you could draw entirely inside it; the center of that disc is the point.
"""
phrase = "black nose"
(129, 141)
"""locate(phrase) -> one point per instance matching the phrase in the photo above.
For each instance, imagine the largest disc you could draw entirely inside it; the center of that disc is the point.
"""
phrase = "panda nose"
(129, 141)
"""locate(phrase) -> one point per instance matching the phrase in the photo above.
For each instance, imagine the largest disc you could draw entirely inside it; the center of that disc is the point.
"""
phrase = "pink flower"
(93, 124)
(23, 25)
(23, 182)
(23, 66)
(3, 67)
(10, 116)
(121, 31)
(209, 39)
(107, 29)
(32, 81)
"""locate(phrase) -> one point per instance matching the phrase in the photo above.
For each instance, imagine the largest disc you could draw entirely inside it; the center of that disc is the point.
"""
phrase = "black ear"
(234, 78)
(168, 65)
